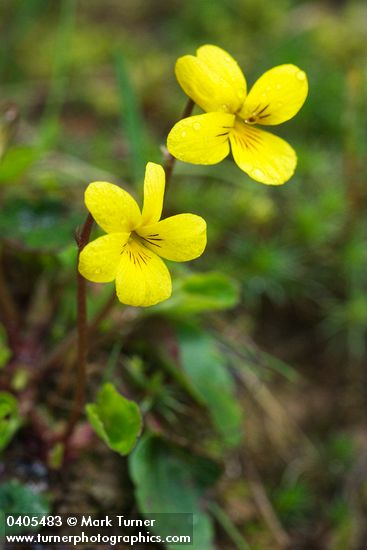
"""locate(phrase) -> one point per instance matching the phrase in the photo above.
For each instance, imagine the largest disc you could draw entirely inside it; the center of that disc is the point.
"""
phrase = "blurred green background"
(257, 364)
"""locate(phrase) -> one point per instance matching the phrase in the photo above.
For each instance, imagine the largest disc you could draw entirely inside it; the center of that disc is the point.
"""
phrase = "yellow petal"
(142, 277)
(277, 96)
(179, 238)
(99, 260)
(263, 156)
(154, 184)
(211, 86)
(201, 139)
(112, 208)
(223, 64)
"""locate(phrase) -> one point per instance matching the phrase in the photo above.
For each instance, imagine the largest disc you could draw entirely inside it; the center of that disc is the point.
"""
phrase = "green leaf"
(5, 352)
(10, 419)
(16, 162)
(131, 120)
(201, 292)
(206, 368)
(169, 481)
(56, 456)
(16, 498)
(115, 419)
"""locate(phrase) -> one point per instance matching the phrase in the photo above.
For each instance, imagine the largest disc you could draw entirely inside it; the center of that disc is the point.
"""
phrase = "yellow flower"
(136, 241)
(214, 81)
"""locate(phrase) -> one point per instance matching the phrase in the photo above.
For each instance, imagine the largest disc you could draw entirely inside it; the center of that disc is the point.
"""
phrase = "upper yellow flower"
(216, 83)
(130, 251)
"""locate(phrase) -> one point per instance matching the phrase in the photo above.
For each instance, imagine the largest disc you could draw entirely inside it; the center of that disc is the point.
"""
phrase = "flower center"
(257, 114)
(153, 239)
(137, 254)
(251, 120)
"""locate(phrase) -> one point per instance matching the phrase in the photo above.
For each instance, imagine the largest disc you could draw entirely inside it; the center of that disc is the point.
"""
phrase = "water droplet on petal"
(183, 134)
(225, 108)
(301, 75)
(197, 126)
(263, 95)
(258, 174)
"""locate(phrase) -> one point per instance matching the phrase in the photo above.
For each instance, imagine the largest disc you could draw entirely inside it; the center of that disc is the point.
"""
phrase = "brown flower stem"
(58, 353)
(8, 312)
(170, 159)
(82, 239)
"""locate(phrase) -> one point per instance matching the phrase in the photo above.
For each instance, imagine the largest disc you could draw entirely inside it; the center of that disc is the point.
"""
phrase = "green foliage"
(169, 480)
(199, 293)
(5, 352)
(16, 162)
(344, 523)
(43, 224)
(17, 498)
(96, 93)
(338, 453)
(60, 63)
(56, 456)
(131, 119)
(225, 521)
(10, 419)
(158, 395)
(293, 503)
(342, 448)
(115, 419)
(206, 368)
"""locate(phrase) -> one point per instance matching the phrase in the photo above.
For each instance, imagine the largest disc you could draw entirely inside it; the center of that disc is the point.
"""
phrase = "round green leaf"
(115, 419)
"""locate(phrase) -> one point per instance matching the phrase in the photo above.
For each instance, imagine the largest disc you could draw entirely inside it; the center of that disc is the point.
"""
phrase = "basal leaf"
(168, 481)
(206, 368)
(115, 419)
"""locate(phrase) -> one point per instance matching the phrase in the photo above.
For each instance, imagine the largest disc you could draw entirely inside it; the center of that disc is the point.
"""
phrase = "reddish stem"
(82, 239)
(8, 313)
(170, 159)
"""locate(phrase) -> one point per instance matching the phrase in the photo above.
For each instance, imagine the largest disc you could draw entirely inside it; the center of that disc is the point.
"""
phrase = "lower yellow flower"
(136, 241)
(214, 81)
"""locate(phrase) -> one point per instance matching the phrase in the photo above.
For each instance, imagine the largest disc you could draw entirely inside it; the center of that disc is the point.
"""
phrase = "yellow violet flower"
(136, 241)
(214, 81)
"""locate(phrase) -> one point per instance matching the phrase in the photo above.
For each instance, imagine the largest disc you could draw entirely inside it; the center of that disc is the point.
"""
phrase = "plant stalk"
(170, 159)
(8, 313)
(82, 239)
